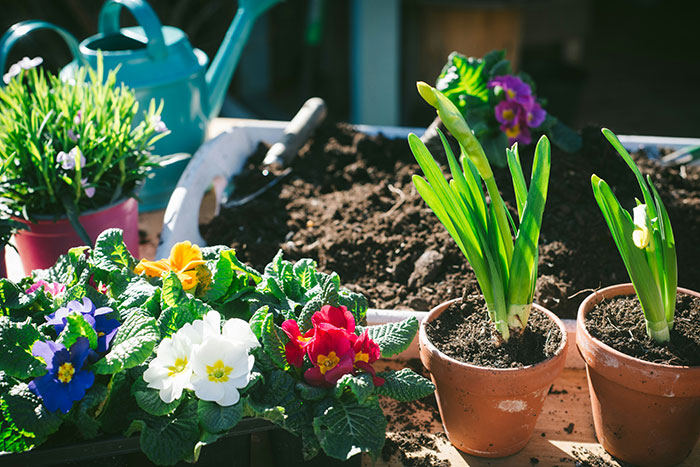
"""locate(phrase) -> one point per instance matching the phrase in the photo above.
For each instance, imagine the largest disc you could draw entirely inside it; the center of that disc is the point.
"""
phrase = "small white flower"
(220, 368)
(158, 124)
(170, 372)
(78, 117)
(68, 160)
(641, 234)
(89, 191)
(25, 64)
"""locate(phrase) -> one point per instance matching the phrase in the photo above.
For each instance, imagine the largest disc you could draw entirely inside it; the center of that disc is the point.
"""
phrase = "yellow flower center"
(513, 132)
(328, 362)
(66, 372)
(508, 114)
(219, 372)
(303, 340)
(362, 357)
(178, 367)
(511, 93)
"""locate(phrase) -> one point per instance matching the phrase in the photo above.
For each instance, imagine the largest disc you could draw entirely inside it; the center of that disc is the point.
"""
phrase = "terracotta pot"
(489, 412)
(3, 267)
(44, 241)
(644, 413)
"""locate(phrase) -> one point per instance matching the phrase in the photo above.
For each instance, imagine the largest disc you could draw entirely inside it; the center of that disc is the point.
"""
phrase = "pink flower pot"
(44, 241)
(3, 268)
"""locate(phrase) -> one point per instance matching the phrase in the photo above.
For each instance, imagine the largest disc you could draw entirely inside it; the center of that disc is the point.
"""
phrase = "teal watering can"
(158, 62)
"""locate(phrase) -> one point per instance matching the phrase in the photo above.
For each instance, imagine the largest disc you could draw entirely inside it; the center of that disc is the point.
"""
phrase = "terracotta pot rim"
(599, 295)
(43, 218)
(435, 312)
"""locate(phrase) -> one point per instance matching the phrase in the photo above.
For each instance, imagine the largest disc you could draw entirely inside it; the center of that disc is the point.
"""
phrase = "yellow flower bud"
(641, 234)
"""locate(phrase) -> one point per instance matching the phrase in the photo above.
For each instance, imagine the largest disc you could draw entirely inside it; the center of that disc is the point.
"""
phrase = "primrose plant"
(505, 269)
(645, 242)
(501, 106)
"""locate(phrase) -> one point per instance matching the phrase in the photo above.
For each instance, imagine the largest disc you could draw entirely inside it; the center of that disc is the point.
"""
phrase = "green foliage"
(26, 411)
(149, 399)
(42, 116)
(216, 419)
(464, 80)
(77, 327)
(132, 345)
(506, 270)
(16, 341)
(404, 385)
(646, 244)
(360, 386)
(394, 338)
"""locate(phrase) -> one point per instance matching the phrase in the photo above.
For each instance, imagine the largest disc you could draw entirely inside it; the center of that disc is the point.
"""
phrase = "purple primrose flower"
(97, 318)
(508, 112)
(66, 380)
(513, 87)
(519, 111)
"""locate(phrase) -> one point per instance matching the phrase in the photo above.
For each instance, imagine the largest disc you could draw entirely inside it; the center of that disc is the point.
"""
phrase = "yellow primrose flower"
(183, 261)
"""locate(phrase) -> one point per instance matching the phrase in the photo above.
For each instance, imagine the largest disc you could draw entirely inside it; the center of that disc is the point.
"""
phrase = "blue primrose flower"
(97, 318)
(66, 380)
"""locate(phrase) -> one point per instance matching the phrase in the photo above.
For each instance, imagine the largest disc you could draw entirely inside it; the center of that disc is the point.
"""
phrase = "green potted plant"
(186, 349)
(74, 158)
(642, 355)
(500, 106)
(490, 390)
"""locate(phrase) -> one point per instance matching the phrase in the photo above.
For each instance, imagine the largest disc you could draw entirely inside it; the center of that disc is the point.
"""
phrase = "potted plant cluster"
(500, 106)
(492, 358)
(74, 157)
(642, 355)
(180, 350)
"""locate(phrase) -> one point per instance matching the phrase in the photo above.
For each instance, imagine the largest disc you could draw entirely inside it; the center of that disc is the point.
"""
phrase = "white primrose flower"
(641, 234)
(170, 372)
(220, 368)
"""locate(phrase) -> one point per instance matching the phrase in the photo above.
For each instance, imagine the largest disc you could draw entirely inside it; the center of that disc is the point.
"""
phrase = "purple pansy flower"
(513, 87)
(54, 288)
(66, 380)
(97, 318)
(67, 160)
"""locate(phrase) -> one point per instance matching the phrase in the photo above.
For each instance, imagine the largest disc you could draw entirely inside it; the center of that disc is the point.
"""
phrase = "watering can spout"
(219, 74)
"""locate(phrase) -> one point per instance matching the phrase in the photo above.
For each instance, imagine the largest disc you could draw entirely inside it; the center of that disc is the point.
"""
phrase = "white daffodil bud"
(641, 234)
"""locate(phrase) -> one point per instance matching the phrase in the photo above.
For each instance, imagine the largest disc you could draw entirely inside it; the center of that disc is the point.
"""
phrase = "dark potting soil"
(465, 333)
(350, 205)
(619, 323)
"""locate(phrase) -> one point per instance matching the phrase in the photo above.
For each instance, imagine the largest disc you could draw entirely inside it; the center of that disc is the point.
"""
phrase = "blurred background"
(631, 65)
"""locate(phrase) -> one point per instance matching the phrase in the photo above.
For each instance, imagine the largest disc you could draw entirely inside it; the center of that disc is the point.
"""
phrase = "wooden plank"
(563, 434)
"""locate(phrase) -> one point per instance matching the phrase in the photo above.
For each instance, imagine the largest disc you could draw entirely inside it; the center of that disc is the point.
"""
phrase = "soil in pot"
(619, 323)
(465, 333)
(350, 204)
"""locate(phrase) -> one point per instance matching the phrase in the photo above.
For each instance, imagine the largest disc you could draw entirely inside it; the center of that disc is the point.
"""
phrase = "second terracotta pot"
(644, 413)
(489, 412)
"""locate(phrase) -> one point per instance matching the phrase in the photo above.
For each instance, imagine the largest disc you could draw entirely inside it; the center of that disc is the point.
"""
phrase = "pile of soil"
(619, 323)
(350, 205)
(465, 333)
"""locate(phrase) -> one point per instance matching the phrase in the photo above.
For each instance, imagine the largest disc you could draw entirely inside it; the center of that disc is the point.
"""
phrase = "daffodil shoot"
(645, 242)
(506, 269)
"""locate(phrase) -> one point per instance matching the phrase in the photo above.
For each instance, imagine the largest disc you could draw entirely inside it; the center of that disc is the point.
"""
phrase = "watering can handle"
(20, 30)
(108, 23)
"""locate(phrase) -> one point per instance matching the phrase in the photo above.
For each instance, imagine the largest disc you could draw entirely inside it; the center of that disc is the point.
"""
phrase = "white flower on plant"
(89, 191)
(641, 234)
(170, 372)
(25, 64)
(69, 160)
(158, 124)
(221, 366)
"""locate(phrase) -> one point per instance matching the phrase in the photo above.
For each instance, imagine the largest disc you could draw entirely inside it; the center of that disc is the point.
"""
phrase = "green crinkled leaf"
(221, 278)
(394, 338)
(311, 307)
(138, 291)
(356, 303)
(67, 270)
(463, 76)
(278, 391)
(347, 428)
(16, 341)
(28, 412)
(404, 385)
(564, 137)
(305, 272)
(360, 386)
(242, 267)
(174, 317)
(311, 393)
(76, 292)
(13, 439)
(111, 253)
(171, 438)
(172, 293)
(258, 319)
(330, 287)
(84, 416)
(273, 341)
(14, 298)
(132, 345)
(215, 418)
(149, 400)
(77, 327)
